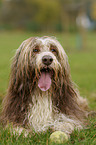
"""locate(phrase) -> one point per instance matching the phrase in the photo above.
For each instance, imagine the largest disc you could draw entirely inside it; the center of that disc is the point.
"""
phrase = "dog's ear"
(20, 84)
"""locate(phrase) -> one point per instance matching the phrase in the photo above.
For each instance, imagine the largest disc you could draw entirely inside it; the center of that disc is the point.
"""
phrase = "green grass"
(83, 71)
(83, 137)
(9, 138)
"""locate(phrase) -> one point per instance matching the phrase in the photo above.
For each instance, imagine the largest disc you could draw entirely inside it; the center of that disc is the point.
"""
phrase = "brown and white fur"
(60, 107)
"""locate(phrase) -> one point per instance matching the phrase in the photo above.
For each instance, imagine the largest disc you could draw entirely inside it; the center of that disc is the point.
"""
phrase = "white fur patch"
(19, 130)
(41, 116)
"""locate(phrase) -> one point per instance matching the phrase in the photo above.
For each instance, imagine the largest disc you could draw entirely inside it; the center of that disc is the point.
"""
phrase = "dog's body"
(41, 94)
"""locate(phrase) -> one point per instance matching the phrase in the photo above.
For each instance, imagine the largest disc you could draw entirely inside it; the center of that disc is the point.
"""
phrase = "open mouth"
(44, 82)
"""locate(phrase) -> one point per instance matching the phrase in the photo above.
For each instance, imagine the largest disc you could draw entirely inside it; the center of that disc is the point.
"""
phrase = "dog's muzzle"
(44, 82)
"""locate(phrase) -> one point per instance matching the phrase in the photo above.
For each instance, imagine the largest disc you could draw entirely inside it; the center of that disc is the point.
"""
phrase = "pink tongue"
(44, 82)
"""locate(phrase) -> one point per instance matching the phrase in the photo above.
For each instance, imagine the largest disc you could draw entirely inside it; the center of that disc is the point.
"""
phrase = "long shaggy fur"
(60, 107)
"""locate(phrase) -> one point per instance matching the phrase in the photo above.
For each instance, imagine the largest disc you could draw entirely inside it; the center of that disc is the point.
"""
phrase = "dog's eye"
(53, 49)
(36, 49)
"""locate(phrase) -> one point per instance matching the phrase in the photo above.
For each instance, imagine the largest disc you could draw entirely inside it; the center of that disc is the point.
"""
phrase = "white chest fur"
(41, 116)
(40, 113)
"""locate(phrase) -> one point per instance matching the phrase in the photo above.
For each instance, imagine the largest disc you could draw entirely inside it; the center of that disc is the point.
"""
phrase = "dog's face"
(46, 60)
(45, 56)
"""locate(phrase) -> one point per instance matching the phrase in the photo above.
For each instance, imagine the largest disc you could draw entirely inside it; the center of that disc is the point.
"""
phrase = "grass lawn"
(83, 71)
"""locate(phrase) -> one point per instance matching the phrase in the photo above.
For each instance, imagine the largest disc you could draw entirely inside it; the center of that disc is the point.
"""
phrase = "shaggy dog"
(41, 94)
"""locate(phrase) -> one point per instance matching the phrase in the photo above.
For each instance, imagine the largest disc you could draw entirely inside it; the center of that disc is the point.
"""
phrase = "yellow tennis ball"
(58, 137)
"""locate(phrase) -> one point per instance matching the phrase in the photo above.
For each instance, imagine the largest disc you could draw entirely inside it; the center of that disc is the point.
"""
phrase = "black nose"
(47, 59)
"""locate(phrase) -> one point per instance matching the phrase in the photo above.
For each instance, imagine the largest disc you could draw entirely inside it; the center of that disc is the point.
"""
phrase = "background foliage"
(38, 15)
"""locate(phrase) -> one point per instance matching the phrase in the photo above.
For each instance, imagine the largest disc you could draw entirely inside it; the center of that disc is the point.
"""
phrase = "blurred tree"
(22, 12)
(47, 13)
(40, 14)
